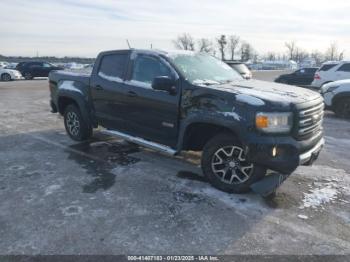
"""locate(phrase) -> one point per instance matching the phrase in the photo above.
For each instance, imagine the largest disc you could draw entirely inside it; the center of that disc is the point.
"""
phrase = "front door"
(152, 114)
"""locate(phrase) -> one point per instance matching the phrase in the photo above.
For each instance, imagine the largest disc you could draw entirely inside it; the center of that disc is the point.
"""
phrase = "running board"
(141, 142)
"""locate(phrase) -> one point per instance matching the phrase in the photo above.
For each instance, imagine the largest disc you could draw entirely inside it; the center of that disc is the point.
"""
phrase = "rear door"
(343, 72)
(108, 90)
(152, 114)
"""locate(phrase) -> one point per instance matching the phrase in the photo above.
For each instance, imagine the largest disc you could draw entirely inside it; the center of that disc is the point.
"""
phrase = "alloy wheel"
(230, 166)
(73, 123)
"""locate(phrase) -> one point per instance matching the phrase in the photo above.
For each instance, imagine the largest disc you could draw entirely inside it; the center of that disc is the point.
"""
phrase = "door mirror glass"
(164, 83)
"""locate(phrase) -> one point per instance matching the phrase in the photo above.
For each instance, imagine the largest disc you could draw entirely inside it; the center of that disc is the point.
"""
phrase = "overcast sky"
(85, 27)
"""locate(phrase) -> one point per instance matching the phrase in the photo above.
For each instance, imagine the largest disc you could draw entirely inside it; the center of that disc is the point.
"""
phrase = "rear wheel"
(342, 108)
(225, 165)
(28, 76)
(5, 77)
(76, 127)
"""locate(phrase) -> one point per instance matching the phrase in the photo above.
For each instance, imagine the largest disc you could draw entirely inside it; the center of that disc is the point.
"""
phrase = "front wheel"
(342, 108)
(5, 77)
(225, 165)
(28, 76)
(76, 127)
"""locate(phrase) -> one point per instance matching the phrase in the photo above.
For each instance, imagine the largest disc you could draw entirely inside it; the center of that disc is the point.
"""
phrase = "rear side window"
(327, 67)
(112, 67)
(310, 70)
(344, 68)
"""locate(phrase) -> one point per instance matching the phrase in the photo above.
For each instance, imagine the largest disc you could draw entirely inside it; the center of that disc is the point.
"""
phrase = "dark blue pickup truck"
(175, 101)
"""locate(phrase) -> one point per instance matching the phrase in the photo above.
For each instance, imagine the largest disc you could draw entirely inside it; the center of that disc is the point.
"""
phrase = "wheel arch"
(197, 134)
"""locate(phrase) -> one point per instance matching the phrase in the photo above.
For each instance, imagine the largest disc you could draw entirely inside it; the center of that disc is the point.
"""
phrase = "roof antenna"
(127, 41)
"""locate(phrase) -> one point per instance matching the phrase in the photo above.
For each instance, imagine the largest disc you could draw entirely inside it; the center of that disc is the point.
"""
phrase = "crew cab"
(181, 100)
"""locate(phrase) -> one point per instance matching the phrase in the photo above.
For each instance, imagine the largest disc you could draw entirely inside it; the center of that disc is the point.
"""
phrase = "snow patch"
(251, 100)
(110, 78)
(317, 197)
(69, 85)
(51, 189)
(232, 114)
(303, 217)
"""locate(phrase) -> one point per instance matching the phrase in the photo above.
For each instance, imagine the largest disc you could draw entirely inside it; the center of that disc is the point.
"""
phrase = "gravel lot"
(109, 197)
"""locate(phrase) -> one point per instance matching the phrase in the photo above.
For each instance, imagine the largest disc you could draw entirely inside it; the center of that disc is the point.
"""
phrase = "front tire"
(342, 108)
(5, 77)
(28, 76)
(76, 127)
(225, 166)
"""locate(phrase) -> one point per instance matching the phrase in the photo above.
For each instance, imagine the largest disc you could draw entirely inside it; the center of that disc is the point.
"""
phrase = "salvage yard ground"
(106, 196)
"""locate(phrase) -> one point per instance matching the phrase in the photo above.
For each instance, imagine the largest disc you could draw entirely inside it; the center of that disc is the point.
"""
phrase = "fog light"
(274, 151)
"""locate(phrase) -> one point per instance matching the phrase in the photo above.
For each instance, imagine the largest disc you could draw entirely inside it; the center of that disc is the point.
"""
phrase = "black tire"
(241, 181)
(28, 76)
(6, 77)
(76, 127)
(342, 108)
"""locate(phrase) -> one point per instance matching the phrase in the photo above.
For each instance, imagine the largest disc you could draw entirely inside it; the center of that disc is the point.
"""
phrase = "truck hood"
(257, 92)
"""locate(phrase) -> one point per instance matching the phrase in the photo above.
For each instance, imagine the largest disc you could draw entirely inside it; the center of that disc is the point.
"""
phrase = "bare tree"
(233, 45)
(205, 45)
(332, 52)
(184, 42)
(247, 51)
(341, 55)
(271, 56)
(222, 46)
(291, 46)
(317, 56)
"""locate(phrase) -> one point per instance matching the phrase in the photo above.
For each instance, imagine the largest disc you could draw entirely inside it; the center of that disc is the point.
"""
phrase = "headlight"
(274, 122)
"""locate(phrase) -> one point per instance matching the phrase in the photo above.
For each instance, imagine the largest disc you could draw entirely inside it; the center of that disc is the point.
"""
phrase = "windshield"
(203, 69)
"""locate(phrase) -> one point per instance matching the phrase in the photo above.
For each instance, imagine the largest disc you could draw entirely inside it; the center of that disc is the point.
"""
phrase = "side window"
(112, 67)
(47, 65)
(327, 67)
(344, 68)
(146, 68)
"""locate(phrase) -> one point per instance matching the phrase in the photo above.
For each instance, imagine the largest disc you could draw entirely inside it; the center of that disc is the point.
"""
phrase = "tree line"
(232, 47)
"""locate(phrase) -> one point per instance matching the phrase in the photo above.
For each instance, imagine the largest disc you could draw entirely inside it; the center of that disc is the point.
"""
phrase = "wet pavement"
(107, 196)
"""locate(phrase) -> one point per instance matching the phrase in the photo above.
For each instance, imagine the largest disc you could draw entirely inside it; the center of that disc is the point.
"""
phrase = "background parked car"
(337, 97)
(303, 76)
(331, 71)
(3, 64)
(36, 69)
(9, 74)
(241, 68)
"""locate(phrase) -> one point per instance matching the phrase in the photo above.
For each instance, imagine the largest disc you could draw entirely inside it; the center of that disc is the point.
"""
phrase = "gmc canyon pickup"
(181, 100)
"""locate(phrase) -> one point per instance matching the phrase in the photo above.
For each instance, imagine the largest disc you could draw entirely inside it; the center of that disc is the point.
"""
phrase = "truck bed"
(57, 76)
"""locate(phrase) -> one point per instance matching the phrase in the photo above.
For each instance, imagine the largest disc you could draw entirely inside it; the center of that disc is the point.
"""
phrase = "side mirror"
(164, 83)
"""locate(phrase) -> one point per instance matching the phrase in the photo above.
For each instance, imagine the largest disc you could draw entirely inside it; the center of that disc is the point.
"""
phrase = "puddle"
(107, 155)
(191, 176)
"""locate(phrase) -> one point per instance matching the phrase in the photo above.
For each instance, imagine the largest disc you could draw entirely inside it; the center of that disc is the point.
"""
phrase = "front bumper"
(290, 153)
(311, 155)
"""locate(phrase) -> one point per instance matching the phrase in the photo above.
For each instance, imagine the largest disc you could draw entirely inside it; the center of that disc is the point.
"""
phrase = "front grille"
(310, 121)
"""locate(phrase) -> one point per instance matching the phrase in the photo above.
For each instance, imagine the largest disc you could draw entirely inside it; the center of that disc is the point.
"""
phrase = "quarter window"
(112, 67)
(147, 68)
(344, 68)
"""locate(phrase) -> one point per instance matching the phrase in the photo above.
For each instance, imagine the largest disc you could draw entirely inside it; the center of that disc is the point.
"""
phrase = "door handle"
(98, 87)
(132, 94)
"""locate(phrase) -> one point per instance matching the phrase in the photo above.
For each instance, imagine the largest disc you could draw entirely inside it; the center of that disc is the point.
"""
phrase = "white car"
(337, 97)
(9, 74)
(331, 71)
